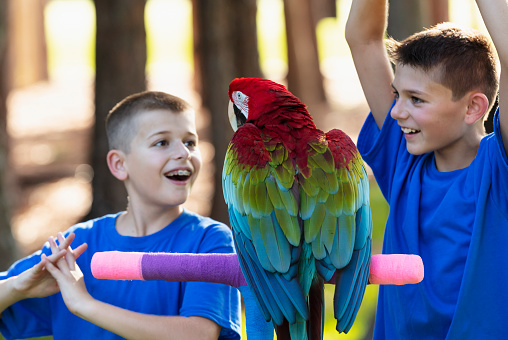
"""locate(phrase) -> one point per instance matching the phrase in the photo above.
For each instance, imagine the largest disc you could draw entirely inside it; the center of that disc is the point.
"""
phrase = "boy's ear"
(116, 164)
(477, 107)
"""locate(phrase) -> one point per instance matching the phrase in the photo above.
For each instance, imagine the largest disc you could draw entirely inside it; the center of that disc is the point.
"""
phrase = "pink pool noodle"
(115, 265)
(395, 269)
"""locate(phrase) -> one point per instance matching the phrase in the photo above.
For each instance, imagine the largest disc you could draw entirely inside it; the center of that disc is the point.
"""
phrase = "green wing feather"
(266, 193)
(330, 196)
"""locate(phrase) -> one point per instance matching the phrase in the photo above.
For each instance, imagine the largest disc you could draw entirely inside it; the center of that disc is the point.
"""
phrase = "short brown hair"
(465, 59)
(119, 127)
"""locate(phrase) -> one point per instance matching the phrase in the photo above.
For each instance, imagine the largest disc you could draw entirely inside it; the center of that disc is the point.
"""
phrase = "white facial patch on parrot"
(242, 102)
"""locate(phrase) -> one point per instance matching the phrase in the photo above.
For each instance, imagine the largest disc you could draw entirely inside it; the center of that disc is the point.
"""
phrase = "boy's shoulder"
(96, 231)
(196, 220)
(92, 224)
(203, 234)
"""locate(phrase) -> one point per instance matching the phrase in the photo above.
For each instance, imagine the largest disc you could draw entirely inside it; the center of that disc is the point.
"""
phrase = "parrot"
(299, 209)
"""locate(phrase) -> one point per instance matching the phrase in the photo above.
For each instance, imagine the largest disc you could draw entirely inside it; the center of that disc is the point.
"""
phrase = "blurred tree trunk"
(8, 249)
(27, 50)
(304, 75)
(323, 9)
(407, 17)
(410, 16)
(225, 43)
(439, 11)
(120, 71)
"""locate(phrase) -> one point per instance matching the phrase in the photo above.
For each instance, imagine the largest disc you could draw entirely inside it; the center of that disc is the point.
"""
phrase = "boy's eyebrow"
(411, 92)
(164, 132)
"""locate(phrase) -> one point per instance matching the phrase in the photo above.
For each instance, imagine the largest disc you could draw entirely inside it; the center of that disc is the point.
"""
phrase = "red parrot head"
(259, 100)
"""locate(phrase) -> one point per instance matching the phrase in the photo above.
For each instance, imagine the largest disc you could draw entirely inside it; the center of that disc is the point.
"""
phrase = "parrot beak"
(232, 116)
(236, 117)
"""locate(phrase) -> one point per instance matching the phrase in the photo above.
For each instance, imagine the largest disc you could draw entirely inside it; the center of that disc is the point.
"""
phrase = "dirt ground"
(50, 128)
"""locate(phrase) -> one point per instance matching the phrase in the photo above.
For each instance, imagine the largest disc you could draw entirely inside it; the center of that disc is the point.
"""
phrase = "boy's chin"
(416, 151)
(180, 197)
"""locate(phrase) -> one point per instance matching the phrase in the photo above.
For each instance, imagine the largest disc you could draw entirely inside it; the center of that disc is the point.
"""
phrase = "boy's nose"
(399, 111)
(182, 152)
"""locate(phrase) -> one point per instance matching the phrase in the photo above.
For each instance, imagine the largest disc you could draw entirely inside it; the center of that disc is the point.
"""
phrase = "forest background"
(65, 63)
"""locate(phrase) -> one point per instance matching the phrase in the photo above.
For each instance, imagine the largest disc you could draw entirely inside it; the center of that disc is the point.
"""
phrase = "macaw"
(298, 202)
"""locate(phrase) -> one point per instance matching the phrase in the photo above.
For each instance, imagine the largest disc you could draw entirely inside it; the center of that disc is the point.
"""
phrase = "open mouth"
(409, 131)
(178, 175)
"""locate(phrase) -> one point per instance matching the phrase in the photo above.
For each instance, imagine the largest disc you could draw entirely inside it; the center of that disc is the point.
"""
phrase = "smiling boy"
(154, 152)
(444, 178)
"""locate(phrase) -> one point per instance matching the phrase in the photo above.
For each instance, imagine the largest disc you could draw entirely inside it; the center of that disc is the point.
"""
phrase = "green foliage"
(380, 209)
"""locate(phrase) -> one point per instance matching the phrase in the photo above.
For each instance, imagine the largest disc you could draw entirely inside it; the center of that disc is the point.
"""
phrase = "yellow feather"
(314, 225)
(289, 225)
(273, 193)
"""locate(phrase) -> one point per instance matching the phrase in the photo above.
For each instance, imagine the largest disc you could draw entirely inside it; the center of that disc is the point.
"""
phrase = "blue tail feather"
(250, 272)
(277, 297)
(346, 307)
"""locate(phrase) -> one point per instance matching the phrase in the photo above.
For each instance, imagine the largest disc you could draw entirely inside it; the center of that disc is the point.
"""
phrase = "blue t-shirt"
(189, 233)
(458, 223)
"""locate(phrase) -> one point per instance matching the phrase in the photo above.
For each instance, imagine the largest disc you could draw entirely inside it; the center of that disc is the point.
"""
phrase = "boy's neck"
(140, 222)
(459, 157)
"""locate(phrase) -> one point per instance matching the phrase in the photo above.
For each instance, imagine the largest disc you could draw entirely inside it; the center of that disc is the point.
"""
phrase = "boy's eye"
(395, 94)
(191, 144)
(161, 143)
(416, 100)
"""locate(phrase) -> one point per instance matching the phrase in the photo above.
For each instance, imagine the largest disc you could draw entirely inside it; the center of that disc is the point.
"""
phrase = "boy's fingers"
(53, 270)
(80, 250)
(63, 249)
(69, 258)
(39, 267)
(65, 242)
(55, 256)
(53, 245)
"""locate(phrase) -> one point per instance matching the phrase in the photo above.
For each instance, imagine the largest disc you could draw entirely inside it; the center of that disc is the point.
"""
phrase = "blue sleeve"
(26, 318)
(217, 302)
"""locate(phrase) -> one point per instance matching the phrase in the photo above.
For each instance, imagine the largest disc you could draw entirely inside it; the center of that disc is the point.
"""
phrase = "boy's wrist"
(10, 293)
(17, 289)
(85, 307)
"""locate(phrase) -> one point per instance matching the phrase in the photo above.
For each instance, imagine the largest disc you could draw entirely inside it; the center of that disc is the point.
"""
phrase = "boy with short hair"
(446, 182)
(154, 151)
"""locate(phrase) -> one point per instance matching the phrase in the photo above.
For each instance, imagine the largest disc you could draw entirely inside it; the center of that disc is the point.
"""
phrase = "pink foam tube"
(116, 265)
(395, 269)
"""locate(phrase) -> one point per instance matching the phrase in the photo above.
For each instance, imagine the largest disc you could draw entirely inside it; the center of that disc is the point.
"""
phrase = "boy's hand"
(37, 281)
(67, 274)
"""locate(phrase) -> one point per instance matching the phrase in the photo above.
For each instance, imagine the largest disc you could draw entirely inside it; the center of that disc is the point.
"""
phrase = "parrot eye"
(240, 96)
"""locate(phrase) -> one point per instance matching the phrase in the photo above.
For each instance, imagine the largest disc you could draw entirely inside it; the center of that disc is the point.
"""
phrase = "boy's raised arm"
(495, 16)
(365, 33)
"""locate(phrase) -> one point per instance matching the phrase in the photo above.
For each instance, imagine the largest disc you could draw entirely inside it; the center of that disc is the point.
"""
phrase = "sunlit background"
(49, 122)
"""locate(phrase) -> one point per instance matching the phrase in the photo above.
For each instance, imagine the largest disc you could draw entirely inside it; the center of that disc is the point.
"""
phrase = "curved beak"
(232, 116)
